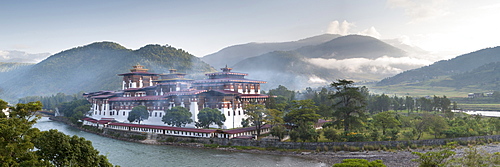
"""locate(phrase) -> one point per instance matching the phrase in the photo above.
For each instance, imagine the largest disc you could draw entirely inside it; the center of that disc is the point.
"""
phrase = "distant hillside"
(6, 67)
(234, 54)
(444, 68)
(94, 67)
(486, 77)
(352, 57)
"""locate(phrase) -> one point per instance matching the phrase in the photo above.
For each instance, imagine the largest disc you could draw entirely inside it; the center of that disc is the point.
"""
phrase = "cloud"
(22, 57)
(370, 32)
(419, 10)
(316, 79)
(4, 54)
(345, 27)
(382, 65)
(336, 27)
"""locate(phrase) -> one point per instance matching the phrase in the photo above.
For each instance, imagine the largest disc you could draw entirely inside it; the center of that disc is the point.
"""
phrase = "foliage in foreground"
(23, 145)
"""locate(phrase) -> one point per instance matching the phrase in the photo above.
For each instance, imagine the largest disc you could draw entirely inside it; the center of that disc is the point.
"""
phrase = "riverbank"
(397, 158)
(390, 157)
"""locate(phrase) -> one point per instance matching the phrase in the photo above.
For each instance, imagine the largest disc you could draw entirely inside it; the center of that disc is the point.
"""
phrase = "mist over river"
(135, 154)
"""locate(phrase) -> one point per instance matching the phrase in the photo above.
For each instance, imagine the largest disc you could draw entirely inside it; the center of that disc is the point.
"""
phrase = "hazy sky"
(202, 27)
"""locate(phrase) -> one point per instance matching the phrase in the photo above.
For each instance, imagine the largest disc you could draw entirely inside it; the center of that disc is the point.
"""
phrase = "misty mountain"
(286, 68)
(95, 67)
(354, 57)
(457, 67)
(21, 57)
(234, 54)
(351, 46)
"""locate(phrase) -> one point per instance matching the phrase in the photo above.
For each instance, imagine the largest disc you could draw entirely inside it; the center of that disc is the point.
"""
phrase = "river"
(135, 154)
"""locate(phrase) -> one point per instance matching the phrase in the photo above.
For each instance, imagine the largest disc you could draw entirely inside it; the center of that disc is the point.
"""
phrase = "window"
(228, 113)
(160, 114)
(156, 114)
(124, 113)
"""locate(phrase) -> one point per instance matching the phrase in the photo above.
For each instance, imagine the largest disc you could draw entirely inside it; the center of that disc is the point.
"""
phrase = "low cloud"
(4, 55)
(316, 79)
(382, 65)
(21, 57)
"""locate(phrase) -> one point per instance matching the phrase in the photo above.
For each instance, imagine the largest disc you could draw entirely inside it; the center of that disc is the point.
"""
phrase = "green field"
(486, 107)
(421, 91)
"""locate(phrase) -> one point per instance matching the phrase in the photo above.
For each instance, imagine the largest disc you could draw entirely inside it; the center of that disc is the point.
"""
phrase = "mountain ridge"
(235, 53)
(454, 66)
(94, 67)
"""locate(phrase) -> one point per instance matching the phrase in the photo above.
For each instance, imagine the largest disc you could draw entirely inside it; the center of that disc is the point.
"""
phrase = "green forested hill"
(486, 77)
(445, 68)
(94, 67)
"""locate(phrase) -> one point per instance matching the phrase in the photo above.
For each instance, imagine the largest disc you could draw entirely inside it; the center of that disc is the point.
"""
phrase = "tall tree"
(409, 103)
(349, 104)
(138, 114)
(208, 116)
(177, 116)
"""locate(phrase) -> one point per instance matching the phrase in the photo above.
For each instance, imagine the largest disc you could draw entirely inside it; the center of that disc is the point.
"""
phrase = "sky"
(445, 28)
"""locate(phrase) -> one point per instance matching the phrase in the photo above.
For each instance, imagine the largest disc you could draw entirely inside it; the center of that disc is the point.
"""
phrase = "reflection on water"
(135, 154)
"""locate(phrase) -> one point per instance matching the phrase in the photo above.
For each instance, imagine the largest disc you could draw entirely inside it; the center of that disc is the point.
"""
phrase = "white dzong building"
(226, 91)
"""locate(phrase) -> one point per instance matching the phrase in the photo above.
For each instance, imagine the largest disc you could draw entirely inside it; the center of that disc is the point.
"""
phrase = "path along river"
(135, 154)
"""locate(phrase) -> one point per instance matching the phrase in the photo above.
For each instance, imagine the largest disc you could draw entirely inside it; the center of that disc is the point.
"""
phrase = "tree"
(385, 120)
(177, 116)
(256, 114)
(75, 109)
(409, 103)
(436, 123)
(349, 104)
(63, 150)
(208, 116)
(138, 114)
(302, 112)
(278, 131)
(273, 117)
(23, 145)
(16, 133)
(283, 92)
(331, 134)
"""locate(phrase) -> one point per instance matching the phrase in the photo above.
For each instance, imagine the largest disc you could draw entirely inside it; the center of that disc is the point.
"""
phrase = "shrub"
(353, 136)
(359, 163)
(433, 158)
